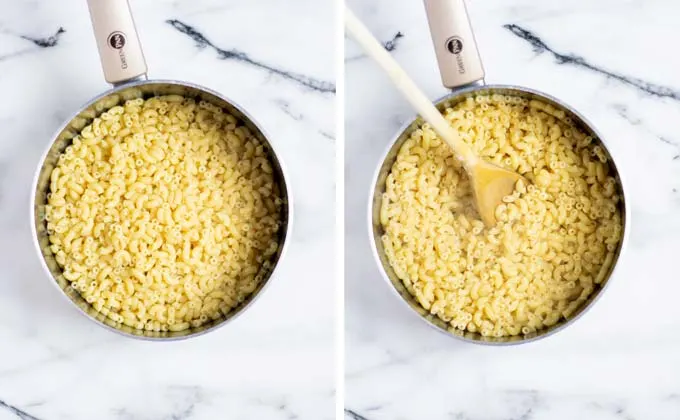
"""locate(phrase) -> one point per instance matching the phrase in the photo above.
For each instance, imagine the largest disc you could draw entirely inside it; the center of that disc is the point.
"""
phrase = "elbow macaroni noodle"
(163, 213)
(556, 236)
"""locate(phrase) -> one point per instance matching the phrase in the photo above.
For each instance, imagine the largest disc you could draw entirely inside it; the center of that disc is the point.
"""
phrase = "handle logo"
(116, 40)
(454, 45)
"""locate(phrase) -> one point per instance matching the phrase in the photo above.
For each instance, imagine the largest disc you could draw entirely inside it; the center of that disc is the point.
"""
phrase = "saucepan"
(125, 68)
(462, 71)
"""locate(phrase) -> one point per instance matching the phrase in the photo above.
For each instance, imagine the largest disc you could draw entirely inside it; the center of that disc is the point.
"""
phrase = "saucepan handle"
(454, 43)
(119, 48)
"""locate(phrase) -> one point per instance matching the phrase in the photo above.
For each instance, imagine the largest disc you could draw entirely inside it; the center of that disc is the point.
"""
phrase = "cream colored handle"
(407, 87)
(119, 48)
(454, 42)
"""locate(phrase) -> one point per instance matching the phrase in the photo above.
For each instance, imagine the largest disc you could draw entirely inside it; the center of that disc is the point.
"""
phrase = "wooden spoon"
(490, 183)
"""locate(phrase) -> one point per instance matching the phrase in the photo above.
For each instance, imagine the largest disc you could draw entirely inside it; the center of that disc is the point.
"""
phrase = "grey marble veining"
(608, 59)
(276, 361)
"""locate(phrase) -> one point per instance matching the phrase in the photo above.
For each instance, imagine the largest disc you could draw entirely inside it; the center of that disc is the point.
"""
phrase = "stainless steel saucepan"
(461, 70)
(125, 68)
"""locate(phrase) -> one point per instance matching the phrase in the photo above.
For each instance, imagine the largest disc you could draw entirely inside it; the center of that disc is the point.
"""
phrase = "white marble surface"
(274, 362)
(611, 60)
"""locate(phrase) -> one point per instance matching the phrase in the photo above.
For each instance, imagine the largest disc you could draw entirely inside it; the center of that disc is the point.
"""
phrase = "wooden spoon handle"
(407, 87)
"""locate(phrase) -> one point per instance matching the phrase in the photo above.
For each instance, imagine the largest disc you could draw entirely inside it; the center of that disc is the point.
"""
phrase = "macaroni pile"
(555, 238)
(163, 213)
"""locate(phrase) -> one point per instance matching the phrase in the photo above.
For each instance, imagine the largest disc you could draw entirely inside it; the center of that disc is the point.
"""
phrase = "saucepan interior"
(84, 117)
(376, 229)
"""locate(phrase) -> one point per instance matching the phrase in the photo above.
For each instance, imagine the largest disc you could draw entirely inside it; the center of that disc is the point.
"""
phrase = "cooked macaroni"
(555, 238)
(163, 213)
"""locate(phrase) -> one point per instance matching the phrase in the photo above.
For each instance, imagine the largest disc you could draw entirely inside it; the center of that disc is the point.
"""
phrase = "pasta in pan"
(556, 235)
(163, 213)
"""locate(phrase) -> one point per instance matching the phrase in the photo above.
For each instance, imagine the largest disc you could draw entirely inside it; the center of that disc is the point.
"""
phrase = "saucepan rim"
(376, 186)
(285, 235)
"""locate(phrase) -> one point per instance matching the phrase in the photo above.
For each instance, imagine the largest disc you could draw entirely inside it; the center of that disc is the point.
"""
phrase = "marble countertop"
(621, 360)
(274, 362)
